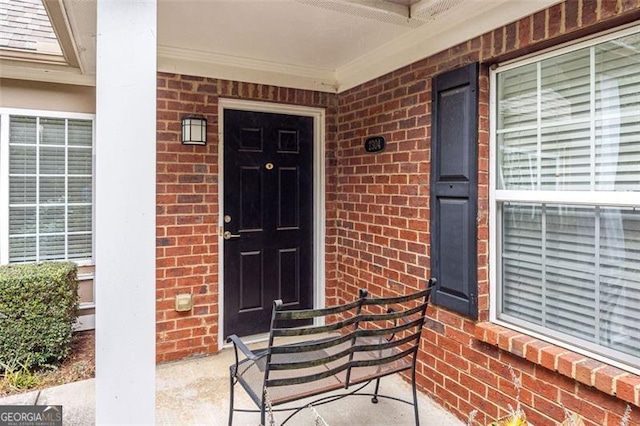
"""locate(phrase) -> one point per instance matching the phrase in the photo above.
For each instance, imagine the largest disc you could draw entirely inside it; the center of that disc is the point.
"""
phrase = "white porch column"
(125, 211)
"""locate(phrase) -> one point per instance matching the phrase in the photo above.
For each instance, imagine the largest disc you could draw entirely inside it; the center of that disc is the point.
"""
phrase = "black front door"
(268, 217)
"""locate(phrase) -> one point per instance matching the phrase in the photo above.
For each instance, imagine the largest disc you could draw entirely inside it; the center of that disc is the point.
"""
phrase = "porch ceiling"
(327, 45)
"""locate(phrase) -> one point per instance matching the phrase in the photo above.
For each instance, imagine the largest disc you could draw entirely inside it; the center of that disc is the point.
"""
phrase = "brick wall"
(382, 233)
(187, 252)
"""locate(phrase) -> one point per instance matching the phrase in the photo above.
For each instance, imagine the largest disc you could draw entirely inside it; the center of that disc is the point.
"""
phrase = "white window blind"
(568, 128)
(50, 189)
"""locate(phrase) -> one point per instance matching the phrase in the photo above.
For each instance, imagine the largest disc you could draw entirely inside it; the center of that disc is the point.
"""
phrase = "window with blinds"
(567, 195)
(50, 200)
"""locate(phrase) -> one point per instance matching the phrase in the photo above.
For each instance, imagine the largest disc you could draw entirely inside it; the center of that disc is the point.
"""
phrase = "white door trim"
(319, 216)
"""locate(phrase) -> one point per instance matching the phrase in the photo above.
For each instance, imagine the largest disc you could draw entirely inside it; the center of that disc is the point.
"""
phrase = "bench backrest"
(359, 341)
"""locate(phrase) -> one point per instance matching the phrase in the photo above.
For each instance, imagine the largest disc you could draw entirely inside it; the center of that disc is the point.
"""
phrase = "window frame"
(5, 114)
(578, 198)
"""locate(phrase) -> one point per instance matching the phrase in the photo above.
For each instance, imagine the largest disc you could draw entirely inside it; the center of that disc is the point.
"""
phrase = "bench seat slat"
(296, 380)
(373, 361)
(321, 389)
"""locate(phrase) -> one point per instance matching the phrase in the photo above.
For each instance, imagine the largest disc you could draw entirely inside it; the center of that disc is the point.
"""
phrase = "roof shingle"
(24, 24)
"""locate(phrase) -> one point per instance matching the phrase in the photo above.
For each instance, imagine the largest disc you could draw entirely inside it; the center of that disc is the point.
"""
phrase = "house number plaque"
(374, 144)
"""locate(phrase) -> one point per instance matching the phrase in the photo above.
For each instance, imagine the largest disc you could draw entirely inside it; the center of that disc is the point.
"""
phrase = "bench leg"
(375, 392)
(230, 399)
(415, 394)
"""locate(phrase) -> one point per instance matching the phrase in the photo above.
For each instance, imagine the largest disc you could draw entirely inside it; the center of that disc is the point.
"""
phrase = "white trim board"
(85, 323)
(319, 216)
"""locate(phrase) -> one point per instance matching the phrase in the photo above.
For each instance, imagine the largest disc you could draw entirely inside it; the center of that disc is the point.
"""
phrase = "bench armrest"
(248, 353)
(239, 344)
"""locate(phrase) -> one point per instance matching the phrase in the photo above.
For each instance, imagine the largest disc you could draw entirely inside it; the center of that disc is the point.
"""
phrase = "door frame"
(319, 211)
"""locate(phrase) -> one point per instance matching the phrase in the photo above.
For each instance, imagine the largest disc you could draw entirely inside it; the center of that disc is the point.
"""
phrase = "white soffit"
(448, 28)
(295, 43)
(326, 45)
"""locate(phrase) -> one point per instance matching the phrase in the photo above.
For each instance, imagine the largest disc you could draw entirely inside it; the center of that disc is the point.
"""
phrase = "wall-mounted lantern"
(194, 130)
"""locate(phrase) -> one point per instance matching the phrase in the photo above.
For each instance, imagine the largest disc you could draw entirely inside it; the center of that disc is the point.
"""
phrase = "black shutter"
(454, 189)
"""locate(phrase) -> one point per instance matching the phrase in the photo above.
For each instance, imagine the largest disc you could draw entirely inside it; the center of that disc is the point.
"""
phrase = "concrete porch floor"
(196, 392)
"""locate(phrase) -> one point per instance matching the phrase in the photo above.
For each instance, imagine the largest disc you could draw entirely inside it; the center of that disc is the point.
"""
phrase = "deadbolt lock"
(268, 166)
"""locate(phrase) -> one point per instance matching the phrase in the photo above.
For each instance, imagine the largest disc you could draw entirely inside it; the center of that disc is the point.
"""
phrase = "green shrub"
(38, 307)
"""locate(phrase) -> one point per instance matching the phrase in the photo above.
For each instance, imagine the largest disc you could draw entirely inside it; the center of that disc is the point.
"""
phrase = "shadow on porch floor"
(196, 392)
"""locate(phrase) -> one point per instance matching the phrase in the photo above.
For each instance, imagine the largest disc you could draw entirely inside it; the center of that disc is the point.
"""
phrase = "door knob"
(227, 235)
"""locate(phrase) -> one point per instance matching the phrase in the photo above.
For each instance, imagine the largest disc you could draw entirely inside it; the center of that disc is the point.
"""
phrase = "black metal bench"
(357, 343)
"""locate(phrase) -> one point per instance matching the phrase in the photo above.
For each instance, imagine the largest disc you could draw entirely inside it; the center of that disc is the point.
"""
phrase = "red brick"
(511, 39)
(456, 388)
(473, 385)
(487, 332)
(605, 377)
(567, 363)
(628, 388)
(486, 375)
(498, 41)
(537, 418)
(549, 356)
(533, 350)
(456, 361)
(555, 21)
(584, 408)
(629, 4)
(505, 338)
(487, 46)
(175, 84)
(571, 14)
(607, 402)
(550, 408)
(589, 12)
(191, 78)
(608, 9)
(485, 406)
(540, 387)
(475, 356)
(518, 344)
(585, 371)
(539, 25)
(447, 396)
(450, 318)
